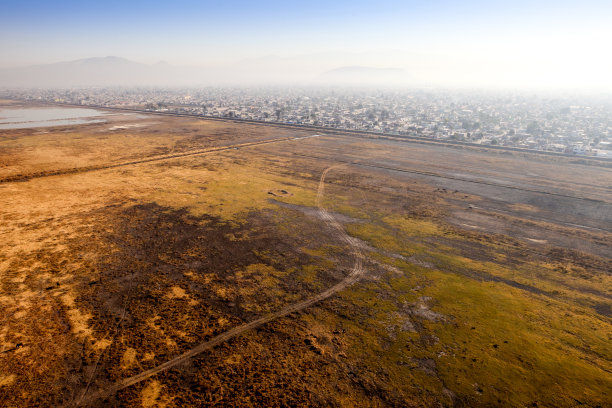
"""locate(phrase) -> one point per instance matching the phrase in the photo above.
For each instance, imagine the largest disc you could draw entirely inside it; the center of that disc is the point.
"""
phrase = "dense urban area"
(568, 124)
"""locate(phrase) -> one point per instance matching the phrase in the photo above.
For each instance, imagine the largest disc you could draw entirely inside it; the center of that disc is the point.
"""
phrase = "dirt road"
(86, 169)
(356, 273)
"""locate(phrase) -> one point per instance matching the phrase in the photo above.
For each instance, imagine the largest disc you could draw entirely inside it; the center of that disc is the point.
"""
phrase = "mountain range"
(116, 71)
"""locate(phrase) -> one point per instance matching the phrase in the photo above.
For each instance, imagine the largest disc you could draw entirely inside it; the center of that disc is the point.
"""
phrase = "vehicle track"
(450, 177)
(356, 273)
(85, 169)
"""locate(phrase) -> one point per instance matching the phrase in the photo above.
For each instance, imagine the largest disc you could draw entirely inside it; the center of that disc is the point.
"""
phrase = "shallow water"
(42, 117)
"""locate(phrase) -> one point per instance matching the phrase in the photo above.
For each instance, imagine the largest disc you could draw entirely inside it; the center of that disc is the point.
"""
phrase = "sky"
(547, 44)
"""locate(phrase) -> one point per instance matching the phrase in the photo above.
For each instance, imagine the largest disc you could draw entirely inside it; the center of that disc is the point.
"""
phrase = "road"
(356, 273)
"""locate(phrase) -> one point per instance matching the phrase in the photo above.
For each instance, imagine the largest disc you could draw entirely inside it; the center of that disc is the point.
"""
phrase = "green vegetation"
(486, 341)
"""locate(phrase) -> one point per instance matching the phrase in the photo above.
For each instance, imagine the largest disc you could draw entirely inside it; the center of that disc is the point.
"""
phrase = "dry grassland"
(488, 283)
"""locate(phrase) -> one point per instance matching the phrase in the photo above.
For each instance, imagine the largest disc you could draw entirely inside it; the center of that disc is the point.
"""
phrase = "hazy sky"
(472, 43)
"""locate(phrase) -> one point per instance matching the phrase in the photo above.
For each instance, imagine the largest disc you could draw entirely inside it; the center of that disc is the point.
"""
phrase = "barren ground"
(483, 276)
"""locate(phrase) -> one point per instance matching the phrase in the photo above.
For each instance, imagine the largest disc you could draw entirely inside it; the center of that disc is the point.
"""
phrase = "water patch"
(43, 117)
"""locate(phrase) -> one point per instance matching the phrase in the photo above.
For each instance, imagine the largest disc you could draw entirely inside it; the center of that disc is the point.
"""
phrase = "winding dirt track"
(356, 273)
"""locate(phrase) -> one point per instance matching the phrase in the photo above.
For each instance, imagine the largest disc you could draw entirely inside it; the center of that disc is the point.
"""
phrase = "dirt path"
(86, 169)
(356, 273)
(363, 163)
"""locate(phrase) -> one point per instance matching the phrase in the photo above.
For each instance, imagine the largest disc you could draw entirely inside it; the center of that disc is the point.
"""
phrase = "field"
(163, 261)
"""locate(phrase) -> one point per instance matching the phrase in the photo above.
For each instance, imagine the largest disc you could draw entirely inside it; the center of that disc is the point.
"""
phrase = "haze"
(525, 44)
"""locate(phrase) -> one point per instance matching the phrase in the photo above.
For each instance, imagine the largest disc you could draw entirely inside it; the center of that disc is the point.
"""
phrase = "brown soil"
(122, 250)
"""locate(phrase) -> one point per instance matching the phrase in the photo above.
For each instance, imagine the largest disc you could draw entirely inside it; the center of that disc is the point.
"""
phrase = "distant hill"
(116, 71)
(363, 70)
(355, 75)
(99, 71)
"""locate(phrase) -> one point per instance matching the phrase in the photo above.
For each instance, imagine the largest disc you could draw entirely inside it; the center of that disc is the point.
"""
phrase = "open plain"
(167, 261)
